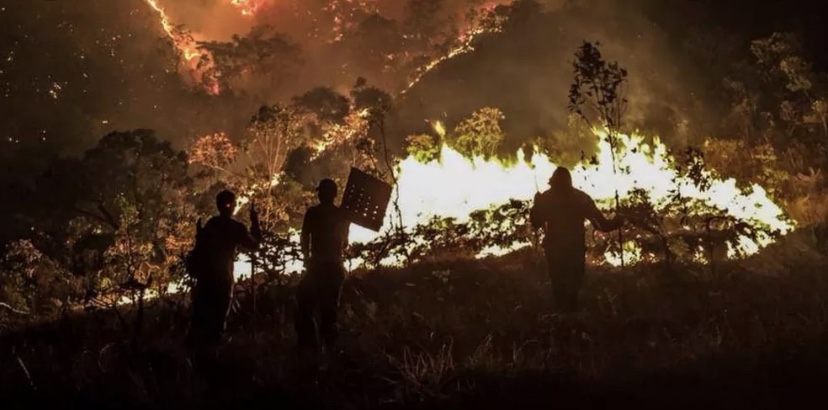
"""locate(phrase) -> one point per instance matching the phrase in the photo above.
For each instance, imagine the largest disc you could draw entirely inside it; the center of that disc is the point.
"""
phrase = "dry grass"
(467, 333)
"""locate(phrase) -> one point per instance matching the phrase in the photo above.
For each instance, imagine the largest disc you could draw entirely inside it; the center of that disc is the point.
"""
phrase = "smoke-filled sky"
(73, 70)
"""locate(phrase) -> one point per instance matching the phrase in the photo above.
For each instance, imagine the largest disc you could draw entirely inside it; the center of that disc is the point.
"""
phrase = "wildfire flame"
(248, 7)
(188, 50)
(465, 44)
(469, 184)
(466, 184)
(199, 68)
(188, 47)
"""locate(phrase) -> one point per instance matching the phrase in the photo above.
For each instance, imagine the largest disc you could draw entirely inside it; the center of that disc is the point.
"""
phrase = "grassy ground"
(470, 334)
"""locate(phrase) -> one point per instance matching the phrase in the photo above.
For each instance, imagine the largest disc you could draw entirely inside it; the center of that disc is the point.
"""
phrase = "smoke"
(526, 71)
(116, 70)
(73, 71)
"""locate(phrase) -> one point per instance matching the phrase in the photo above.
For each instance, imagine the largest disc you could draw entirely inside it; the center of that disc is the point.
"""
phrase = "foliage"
(328, 105)
(499, 227)
(276, 254)
(255, 166)
(263, 54)
(569, 148)
(598, 96)
(781, 56)
(424, 28)
(480, 134)
(108, 225)
(136, 189)
(460, 332)
(598, 93)
(33, 286)
(372, 100)
(214, 151)
(424, 148)
(749, 163)
(375, 42)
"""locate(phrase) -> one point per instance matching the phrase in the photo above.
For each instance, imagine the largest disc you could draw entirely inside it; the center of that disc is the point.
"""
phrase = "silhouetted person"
(324, 238)
(562, 211)
(216, 246)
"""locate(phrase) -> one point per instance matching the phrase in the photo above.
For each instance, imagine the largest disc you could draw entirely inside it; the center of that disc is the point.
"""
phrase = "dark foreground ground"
(468, 334)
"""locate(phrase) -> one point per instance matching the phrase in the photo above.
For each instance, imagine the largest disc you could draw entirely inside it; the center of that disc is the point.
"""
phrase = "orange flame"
(463, 44)
(470, 184)
(248, 7)
(189, 51)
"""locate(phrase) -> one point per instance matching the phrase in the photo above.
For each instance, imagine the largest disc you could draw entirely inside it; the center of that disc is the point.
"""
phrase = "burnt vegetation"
(93, 290)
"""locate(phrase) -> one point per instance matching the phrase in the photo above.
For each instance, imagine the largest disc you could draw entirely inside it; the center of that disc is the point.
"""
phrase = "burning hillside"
(468, 184)
(324, 32)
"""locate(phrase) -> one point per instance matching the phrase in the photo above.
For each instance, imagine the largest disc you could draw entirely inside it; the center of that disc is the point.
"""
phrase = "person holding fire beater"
(561, 212)
(323, 240)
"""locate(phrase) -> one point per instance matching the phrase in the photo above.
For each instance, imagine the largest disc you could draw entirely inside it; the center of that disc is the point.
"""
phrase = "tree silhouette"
(598, 96)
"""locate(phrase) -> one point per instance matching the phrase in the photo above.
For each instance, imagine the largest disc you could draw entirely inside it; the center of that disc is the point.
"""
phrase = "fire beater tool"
(365, 200)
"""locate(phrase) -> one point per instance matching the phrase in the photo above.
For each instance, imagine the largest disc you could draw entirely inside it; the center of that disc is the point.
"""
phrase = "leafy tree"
(287, 148)
(274, 132)
(266, 56)
(371, 107)
(376, 46)
(781, 58)
(214, 151)
(325, 103)
(568, 148)
(423, 26)
(424, 148)
(479, 135)
(109, 225)
(32, 285)
(598, 96)
(781, 55)
(375, 101)
(127, 201)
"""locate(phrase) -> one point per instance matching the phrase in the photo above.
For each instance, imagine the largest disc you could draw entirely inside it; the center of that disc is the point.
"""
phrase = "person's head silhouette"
(326, 191)
(226, 202)
(561, 179)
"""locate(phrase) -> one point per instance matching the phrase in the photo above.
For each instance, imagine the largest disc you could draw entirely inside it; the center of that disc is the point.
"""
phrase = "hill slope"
(467, 334)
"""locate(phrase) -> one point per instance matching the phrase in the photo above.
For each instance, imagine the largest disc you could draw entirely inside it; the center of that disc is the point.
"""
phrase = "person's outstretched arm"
(250, 240)
(597, 218)
(255, 228)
